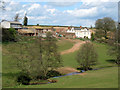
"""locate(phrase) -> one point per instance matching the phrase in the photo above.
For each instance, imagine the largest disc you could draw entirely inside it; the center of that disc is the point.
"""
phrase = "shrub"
(8, 35)
(49, 74)
(23, 79)
(53, 73)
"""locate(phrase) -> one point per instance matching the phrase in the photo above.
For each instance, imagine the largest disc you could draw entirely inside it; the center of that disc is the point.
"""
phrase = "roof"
(77, 28)
(16, 22)
(39, 27)
(26, 31)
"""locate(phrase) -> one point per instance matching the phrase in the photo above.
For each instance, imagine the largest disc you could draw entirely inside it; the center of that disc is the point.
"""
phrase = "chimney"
(68, 27)
(80, 27)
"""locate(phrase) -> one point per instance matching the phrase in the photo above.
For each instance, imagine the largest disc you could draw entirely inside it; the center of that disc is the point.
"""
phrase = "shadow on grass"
(111, 61)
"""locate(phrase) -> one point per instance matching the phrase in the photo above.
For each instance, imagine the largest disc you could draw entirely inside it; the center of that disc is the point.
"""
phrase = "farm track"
(74, 48)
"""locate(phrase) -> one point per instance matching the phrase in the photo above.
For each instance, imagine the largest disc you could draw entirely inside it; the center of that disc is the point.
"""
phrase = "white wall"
(80, 33)
(5, 24)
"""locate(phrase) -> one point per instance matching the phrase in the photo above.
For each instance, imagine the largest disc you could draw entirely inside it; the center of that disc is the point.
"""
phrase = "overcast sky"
(56, 12)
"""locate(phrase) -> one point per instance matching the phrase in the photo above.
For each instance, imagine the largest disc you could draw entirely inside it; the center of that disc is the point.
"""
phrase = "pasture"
(103, 78)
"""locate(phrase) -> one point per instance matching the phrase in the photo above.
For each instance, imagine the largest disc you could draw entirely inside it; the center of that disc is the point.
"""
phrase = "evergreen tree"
(92, 37)
(25, 21)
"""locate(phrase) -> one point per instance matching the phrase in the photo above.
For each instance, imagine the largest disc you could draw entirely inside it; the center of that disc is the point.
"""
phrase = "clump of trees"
(39, 58)
(86, 56)
(114, 44)
(104, 25)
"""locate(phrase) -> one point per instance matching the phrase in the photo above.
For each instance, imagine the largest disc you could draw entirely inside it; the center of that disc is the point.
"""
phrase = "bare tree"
(16, 18)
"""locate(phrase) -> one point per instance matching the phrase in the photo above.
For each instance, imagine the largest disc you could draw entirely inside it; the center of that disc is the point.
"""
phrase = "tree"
(114, 44)
(91, 27)
(99, 34)
(53, 56)
(106, 24)
(37, 58)
(92, 37)
(86, 56)
(16, 18)
(25, 20)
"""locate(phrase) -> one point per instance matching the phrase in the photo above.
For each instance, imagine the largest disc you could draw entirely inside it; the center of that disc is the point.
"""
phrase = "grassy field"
(104, 78)
(104, 60)
(64, 45)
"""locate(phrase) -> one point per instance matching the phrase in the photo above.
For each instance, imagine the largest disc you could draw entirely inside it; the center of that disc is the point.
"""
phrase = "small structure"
(27, 32)
(80, 32)
(11, 24)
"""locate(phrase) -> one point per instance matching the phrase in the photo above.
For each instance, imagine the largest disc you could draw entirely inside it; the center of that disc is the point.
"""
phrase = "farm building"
(80, 32)
(11, 24)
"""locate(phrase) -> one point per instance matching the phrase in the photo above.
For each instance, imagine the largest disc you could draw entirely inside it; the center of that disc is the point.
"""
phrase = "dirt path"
(66, 70)
(74, 48)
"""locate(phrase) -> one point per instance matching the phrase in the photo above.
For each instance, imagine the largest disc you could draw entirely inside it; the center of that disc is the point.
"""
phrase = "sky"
(60, 12)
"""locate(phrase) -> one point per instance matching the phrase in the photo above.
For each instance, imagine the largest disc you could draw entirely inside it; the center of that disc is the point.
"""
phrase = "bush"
(42, 77)
(53, 73)
(50, 74)
(23, 79)
(8, 35)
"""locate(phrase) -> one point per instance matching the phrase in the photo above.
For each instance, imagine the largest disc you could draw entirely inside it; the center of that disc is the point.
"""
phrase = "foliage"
(91, 27)
(53, 73)
(37, 58)
(104, 78)
(114, 50)
(10, 70)
(23, 78)
(86, 56)
(16, 18)
(92, 37)
(25, 20)
(8, 35)
(99, 34)
(106, 24)
(53, 56)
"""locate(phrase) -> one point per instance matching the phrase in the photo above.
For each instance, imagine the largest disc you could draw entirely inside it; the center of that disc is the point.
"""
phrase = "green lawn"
(64, 45)
(103, 57)
(104, 78)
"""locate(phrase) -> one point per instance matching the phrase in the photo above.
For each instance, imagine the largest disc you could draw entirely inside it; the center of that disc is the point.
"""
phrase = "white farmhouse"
(80, 32)
(11, 24)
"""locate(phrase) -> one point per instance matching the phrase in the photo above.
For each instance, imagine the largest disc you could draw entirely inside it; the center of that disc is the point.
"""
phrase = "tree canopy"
(106, 24)
(86, 56)
(25, 20)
